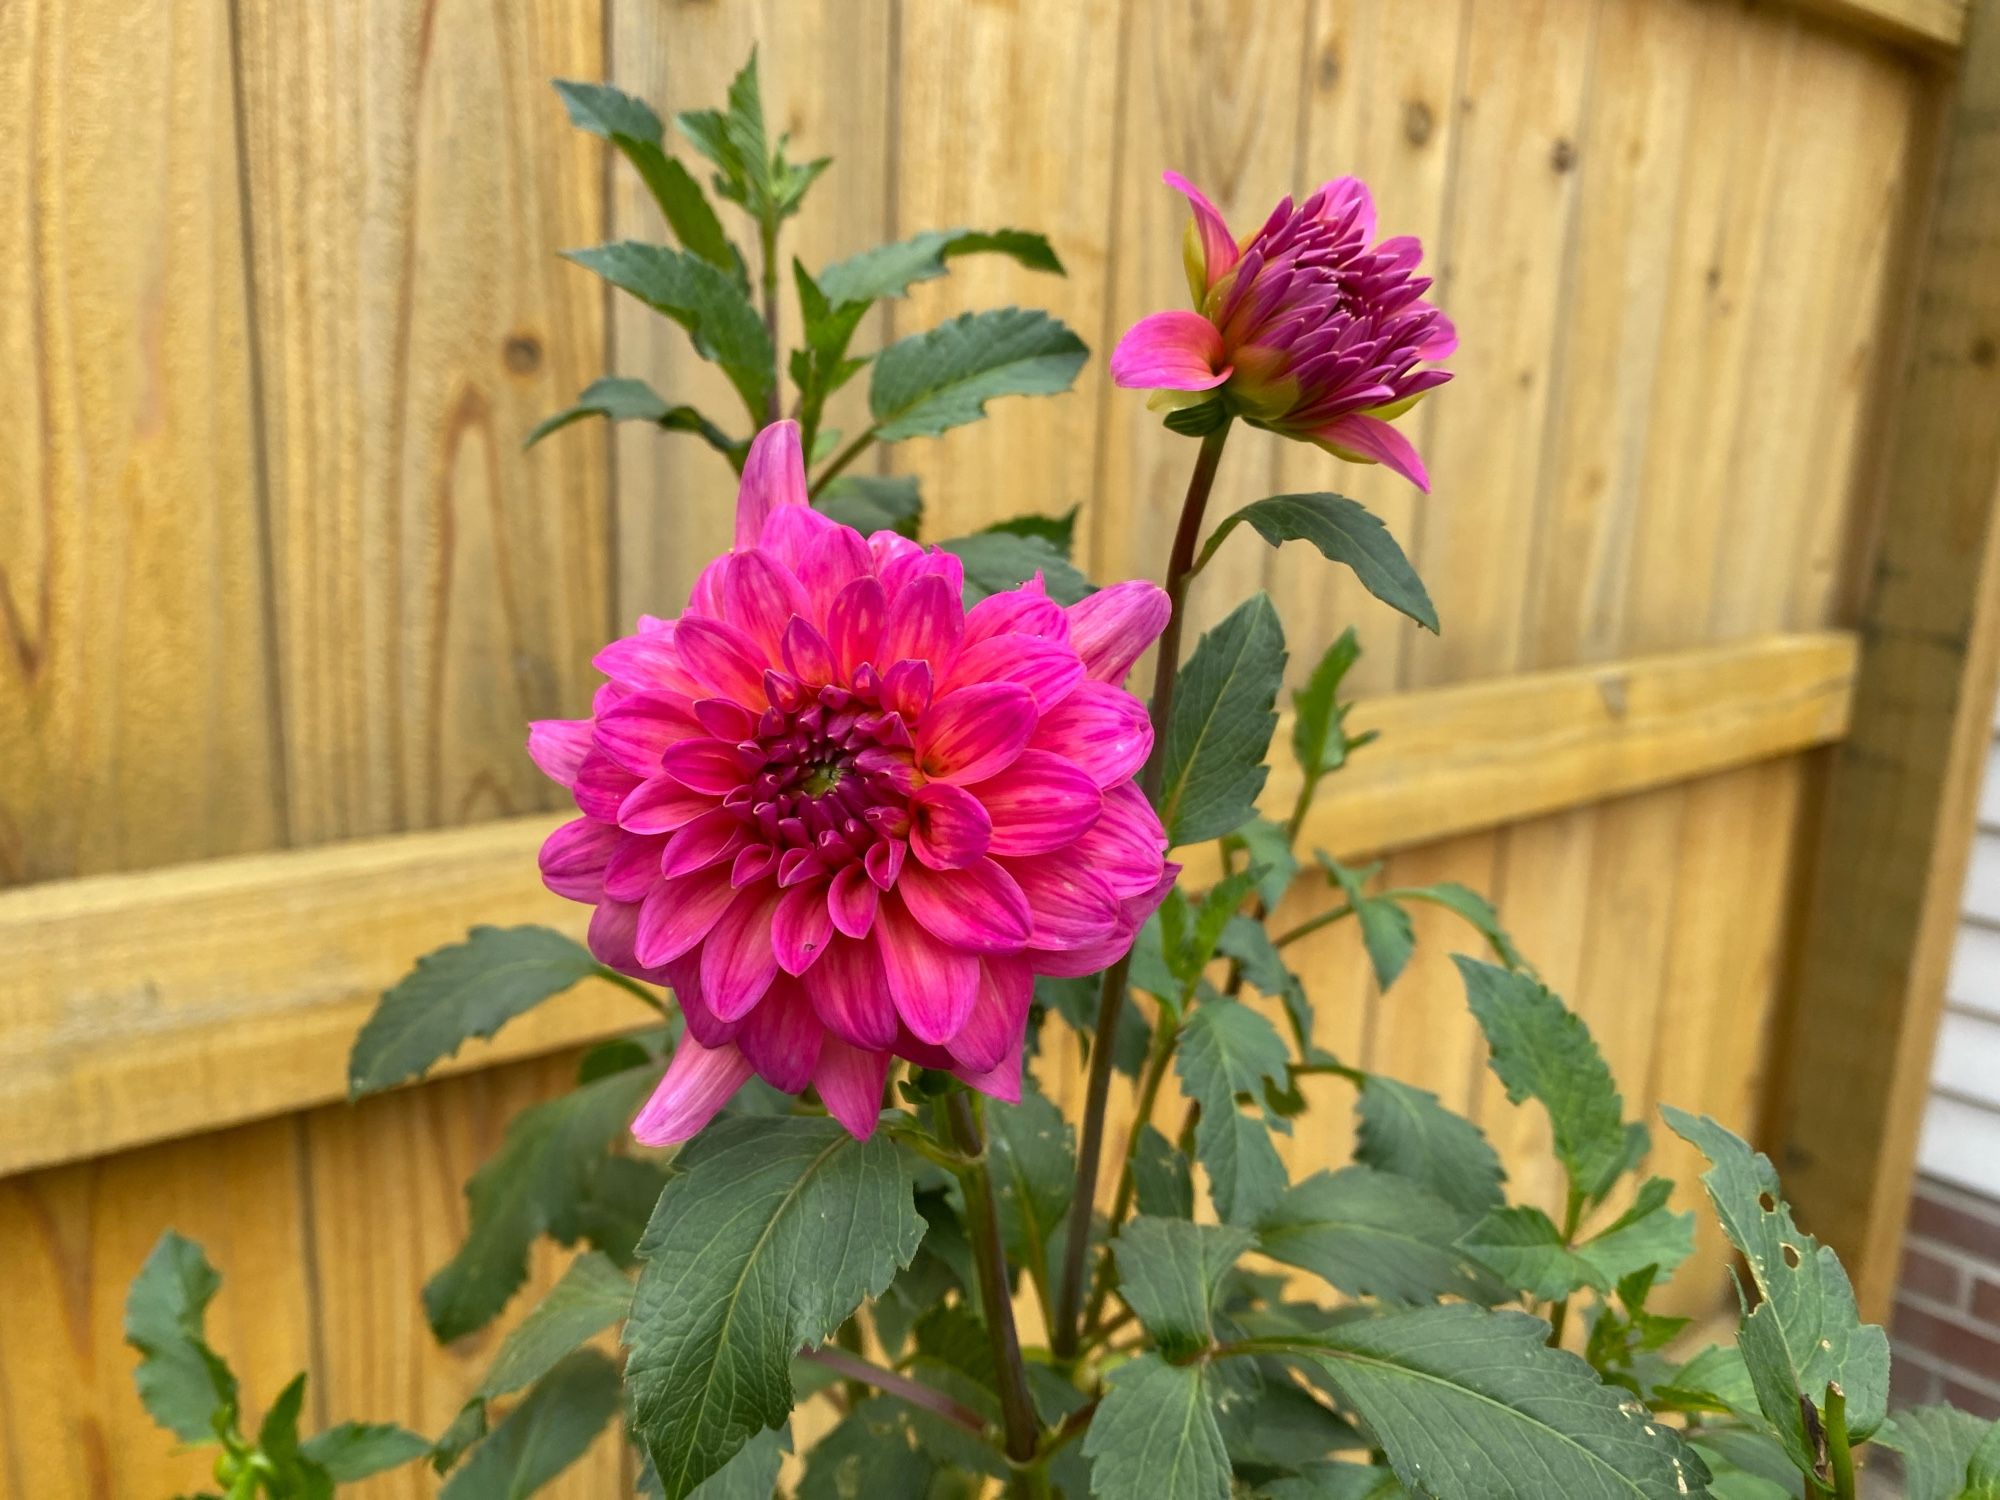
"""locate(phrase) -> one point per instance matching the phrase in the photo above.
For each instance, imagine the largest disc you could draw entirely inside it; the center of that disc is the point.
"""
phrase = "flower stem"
(1142, 1115)
(631, 986)
(1839, 1449)
(773, 396)
(1017, 1410)
(853, 1367)
(1111, 998)
(1311, 925)
(841, 460)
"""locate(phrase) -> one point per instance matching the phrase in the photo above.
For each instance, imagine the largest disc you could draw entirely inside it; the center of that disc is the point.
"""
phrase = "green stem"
(1572, 1221)
(1311, 925)
(840, 461)
(1142, 1115)
(854, 1368)
(632, 986)
(773, 396)
(1839, 1450)
(1300, 808)
(1017, 1410)
(1111, 997)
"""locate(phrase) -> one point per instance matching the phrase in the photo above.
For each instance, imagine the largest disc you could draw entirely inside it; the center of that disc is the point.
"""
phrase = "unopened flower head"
(1307, 327)
(848, 819)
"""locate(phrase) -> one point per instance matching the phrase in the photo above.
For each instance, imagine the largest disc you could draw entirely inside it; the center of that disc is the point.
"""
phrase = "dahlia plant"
(862, 822)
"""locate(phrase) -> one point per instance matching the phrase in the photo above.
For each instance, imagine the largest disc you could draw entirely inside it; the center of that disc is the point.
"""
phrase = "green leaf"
(708, 303)
(618, 1199)
(1385, 927)
(182, 1383)
(1809, 1330)
(1525, 1250)
(1169, 1272)
(891, 270)
(1196, 947)
(1645, 1236)
(1474, 1405)
(1406, 1131)
(1058, 531)
(1715, 1380)
(536, 1184)
(1031, 1153)
(751, 1475)
(592, 1295)
(621, 399)
(1476, 909)
(1319, 736)
(1283, 1425)
(1161, 1176)
(874, 502)
(550, 1430)
(1373, 1235)
(1198, 419)
(997, 560)
(1335, 1481)
(931, 382)
(1345, 532)
(1249, 943)
(867, 1456)
(1225, 1050)
(736, 142)
(1939, 1445)
(468, 989)
(355, 1450)
(1155, 1436)
(1267, 847)
(1223, 716)
(769, 1234)
(1542, 1050)
(631, 126)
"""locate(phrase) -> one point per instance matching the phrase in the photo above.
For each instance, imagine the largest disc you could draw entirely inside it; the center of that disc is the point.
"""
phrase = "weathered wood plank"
(1930, 25)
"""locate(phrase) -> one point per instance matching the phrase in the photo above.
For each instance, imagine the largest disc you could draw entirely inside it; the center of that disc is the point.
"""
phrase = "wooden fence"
(278, 587)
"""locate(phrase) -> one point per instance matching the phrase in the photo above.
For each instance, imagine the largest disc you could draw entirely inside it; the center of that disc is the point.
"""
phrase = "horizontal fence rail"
(145, 1007)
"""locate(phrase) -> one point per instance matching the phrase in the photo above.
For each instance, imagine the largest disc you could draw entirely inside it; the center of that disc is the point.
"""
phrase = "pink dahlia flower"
(1305, 328)
(848, 819)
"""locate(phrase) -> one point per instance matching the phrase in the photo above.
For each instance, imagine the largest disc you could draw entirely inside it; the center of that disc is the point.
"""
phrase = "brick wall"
(1946, 1329)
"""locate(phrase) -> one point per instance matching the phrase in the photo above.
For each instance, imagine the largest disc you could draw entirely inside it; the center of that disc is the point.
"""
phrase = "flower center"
(822, 779)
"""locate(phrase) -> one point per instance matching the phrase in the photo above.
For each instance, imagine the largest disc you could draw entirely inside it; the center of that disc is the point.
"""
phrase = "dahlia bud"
(1304, 329)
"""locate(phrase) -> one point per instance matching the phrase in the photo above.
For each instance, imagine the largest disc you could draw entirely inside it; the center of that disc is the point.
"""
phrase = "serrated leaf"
(1155, 1436)
(1335, 1481)
(355, 1450)
(537, 1183)
(289, 1472)
(1645, 1235)
(1386, 932)
(714, 309)
(621, 399)
(1246, 940)
(1345, 532)
(1268, 848)
(751, 1475)
(874, 502)
(1227, 1049)
(1223, 717)
(996, 561)
(182, 1383)
(1058, 531)
(463, 990)
(1162, 1179)
(1525, 1249)
(942, 378)
(550, 1430)
(631, 125)
(1169, 1273)
(1540, 1049)
(1406, 1131)
(769, 1234)
(1031, 1152)
(866, 1456)
(1371, 1234)
(1938, 1444)
(1810, 1318)
(1475, 909)
(592, 1295)
(1474, 1405)
(891, 270)
(1319, 739)
(1283, 1425)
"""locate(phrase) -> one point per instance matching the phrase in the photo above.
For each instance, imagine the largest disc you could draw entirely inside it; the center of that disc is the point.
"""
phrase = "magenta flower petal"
(1171, 351)
(1006, 989)
(558, 747)
(781, 1037)
(774, 474)
(739, 960)
(949, 829)
(1027, 610)
(1047, 668)
(854, 624)
(1126, 845)
(677, 914)
(1218, 245)
(759, 597)
(661, 805)
(1039, 804)
(710, 839)
(1371, 440)
(698, 1082)
(1101, 729)
(1002, 1082)
(573, 858)
(703, 765)
(794, 532)
(802, 927)
(721, 658)
(850, 1082)
(933, 984)
(1071, 904)
(601, 786)
(634, 867)
(852, 899)
(842, 558)
(635, 731)
(980, 907)
(975, 732)
(1112, 628)
(684, 976)
(924, 621)
(849, 990)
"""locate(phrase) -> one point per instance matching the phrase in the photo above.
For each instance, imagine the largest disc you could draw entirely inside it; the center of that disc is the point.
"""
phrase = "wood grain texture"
(1901, 795)
(1930, 25)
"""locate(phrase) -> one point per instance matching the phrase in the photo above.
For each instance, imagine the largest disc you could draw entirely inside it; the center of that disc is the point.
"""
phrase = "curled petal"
(677, 914)
(602, 785)
(738, 958)
(703, 766)
(684, 975)
(850, 1082)
(975, 732)
(558, 747)
(849, 990)
(1171, 351)
(948, 827)
(933, 984)
(1100, 729)
(1217, 246)
(979, 907)
(573, 858)
(1027, 610)
(708, 840)
(774, 475)
(1369, 440)
(1006, 989)
(1127, 846)
(1038, 804)
(851, 900)
(792, 533)
(1072, 904)
(1112, 627)
(1002, 1081)
(634, 868)
(636, 730)
(906, 688)
(854, 625)
(726, 662)
(924, 622)
(661, 805)
(698, 1082)
(781, 1037)
(802, 927)
(833, 562)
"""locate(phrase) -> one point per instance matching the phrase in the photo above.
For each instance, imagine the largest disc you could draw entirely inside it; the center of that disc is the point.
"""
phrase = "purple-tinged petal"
(1027, 610)
(835, 561)
(793, 532)
(738, 961)
(1101, 729)
(781, 1037)
(924, 621)
(802, 927)
(1039, 804)
(611, 934)
(934, 985)
(901, 562)
(708, 840)
(725, 661)
(948, 827)
(975, 732)
(661, 805)
(698, 1082)
(1071, 904)
(906, 688)
(634, 868)
(759, 596)
(884, 862)
(1046, 668)
(849, 990)
(680, 913)
(807, 654)
(1126, 846)
(574, 857)
(1171, 351)
(602, 785)
(648, 660)
(980, 907)
(1217, 245)
(851, 900)
(637, 729)
(999, 1016)
(558, 746)
(1366, 440)
(724, 719)
(1002, 1082)
(1111, 628)
(704, 766)
(683, 975)
(854, 625)
(774, 474)
(850, 1082)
